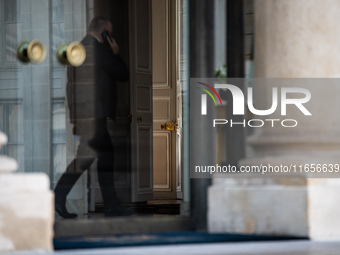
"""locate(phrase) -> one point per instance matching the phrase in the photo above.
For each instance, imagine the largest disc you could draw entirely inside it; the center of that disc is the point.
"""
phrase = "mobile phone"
(105, 34)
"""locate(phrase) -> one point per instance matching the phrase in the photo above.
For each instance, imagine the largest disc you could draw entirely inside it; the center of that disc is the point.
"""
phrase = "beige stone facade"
(293, 39)
(26, 208)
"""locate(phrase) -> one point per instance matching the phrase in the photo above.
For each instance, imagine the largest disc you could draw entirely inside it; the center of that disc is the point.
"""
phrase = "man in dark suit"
(92, 98)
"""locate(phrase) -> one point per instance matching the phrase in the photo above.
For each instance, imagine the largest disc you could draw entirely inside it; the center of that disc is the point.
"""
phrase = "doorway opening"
(160, 191)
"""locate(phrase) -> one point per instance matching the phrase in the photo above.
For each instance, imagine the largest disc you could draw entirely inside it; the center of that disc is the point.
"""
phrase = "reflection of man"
(92, 98)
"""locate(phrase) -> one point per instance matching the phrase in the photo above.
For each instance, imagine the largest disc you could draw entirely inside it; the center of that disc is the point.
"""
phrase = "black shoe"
(62, 212)
(118, 211)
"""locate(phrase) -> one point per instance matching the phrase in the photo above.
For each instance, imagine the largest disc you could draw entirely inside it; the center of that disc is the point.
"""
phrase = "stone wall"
(26, 208)
(293, 39)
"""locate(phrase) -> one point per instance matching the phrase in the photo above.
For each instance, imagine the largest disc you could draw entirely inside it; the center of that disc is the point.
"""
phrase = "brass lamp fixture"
(34, 51)
(72, 54)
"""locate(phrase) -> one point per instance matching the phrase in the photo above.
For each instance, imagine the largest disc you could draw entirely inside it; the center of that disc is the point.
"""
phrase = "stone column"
(293, 39)
(26, 208)
(201, 65)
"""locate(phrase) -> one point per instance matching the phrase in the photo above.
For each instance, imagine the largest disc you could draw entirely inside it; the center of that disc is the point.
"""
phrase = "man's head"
(109, 27)
(98, 25)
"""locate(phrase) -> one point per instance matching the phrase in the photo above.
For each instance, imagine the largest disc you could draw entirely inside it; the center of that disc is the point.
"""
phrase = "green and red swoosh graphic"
(208, 92)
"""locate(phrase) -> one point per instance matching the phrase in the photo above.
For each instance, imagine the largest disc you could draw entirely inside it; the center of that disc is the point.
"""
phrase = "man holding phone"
(92, 98)
(112, 42)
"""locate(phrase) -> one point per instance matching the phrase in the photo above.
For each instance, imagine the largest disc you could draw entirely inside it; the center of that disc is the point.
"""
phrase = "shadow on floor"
(121, 240)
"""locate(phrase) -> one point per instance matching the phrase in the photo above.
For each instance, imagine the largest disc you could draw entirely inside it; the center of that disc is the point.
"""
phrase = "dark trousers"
(92, 144)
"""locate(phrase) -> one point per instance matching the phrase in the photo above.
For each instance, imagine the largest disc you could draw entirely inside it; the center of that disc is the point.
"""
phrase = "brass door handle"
(34, 51)
(169, 126)
(72, 54)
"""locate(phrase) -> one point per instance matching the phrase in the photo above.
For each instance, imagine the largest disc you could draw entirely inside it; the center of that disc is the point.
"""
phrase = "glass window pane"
(10, 11)
(11, 41)
(17, 152)
(59, 161)
(58, 11)
(58, 123)
(15, 123)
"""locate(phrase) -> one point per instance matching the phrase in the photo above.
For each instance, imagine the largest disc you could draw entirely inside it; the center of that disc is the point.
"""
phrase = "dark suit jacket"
(91, 87)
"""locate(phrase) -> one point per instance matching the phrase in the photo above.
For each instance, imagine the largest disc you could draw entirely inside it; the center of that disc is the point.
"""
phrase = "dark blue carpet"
(102, 241)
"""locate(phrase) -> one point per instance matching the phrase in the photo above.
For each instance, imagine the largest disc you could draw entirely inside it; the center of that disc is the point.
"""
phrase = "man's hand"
(113, 44)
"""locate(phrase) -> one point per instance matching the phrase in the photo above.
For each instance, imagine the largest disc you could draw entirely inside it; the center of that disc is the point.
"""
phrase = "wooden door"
(164, 99)
(141, 99)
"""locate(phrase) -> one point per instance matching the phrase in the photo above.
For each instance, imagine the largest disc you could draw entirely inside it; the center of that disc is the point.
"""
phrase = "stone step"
(149, 208)
(121, 225)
